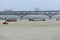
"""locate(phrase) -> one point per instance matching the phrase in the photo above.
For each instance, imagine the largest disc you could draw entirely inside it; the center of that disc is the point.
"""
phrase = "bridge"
(24, 13)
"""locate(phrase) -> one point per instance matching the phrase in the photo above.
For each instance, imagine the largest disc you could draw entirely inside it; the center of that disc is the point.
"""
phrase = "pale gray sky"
(30, 4)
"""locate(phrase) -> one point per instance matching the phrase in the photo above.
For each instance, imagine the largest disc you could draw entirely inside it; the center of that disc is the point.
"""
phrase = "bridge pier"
(50, 17)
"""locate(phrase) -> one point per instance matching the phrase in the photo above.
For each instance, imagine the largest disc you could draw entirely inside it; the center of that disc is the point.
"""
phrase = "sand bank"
(32, 23)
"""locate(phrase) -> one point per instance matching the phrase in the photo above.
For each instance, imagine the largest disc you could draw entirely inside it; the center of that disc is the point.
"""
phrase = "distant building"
(37, 9)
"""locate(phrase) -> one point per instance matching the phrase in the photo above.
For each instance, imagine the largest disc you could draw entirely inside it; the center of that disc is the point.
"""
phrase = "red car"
(11, 20)
(5, 22)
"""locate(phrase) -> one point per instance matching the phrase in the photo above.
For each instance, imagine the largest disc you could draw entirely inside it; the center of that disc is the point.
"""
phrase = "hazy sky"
(30, 4)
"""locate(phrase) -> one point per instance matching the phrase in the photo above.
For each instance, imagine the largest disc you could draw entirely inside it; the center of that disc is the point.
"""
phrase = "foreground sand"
(30, 30)
(32, 23)
(29, 33)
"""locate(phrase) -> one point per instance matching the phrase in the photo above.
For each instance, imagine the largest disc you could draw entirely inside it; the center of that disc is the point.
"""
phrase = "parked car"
(11, 20)
(57, 19)
(36, 19)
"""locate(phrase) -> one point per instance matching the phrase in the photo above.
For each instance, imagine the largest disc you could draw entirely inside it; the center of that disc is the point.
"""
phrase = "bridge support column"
(50, 17)
(21, 17)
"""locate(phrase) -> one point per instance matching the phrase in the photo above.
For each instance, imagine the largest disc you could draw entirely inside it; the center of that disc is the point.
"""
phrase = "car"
(36, 19)
(57, 19)
(11, 20)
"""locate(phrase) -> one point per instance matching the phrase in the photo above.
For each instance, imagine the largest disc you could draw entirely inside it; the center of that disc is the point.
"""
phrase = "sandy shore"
(30, 30)
(29, 33)
(32, 23)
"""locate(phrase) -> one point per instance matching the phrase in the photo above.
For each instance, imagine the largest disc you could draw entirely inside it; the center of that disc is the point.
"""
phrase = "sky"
(25, 5)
